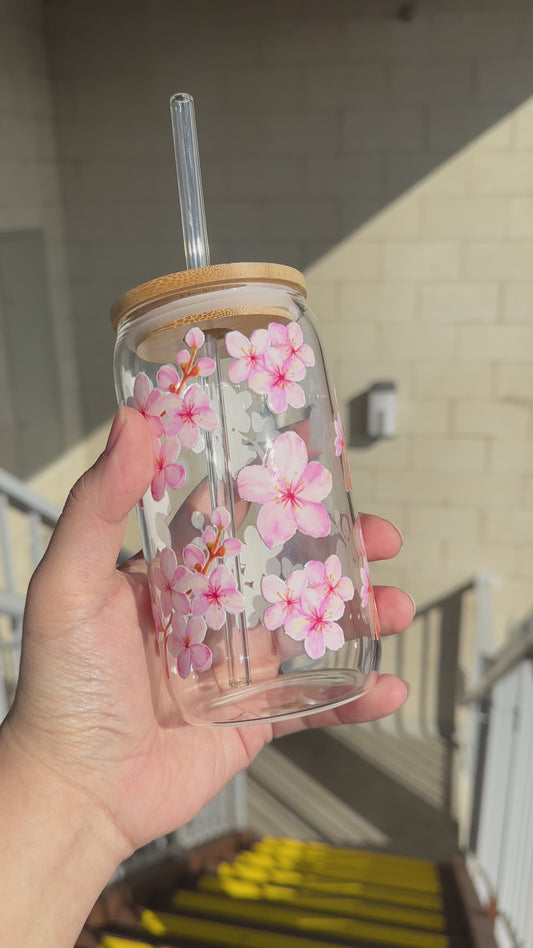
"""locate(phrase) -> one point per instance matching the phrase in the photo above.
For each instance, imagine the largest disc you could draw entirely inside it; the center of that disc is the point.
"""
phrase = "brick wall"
(30, 197)
(390, 160)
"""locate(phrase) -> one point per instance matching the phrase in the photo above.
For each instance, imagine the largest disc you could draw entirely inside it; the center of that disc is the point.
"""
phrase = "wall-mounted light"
(381, 411)
(373, 414)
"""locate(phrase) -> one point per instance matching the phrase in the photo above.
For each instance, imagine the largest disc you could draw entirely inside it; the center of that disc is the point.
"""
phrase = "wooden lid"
(190, 282)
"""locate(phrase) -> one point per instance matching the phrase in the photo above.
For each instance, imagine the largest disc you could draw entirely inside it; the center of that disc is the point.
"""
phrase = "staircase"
(286, 893)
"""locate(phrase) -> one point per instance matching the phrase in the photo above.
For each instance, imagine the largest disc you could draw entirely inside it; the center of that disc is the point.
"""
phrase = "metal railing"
(26, 522)
(500, 844)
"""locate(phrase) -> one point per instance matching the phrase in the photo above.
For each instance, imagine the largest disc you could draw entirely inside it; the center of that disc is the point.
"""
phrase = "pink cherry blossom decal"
(185, 643)
(248, 354)
(215, 595)
(167, 472)
(284, 596)
(149, 402)
(339, 436)
(315, 624)
(289, 489)
(327, 577)
(190, 413)
(169, 578)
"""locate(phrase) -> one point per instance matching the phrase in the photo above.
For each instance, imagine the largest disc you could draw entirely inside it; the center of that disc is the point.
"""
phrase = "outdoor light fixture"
(381, 411)
(372, 415)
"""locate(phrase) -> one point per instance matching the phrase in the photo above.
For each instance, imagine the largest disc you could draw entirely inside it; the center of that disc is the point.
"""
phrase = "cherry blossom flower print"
(215, 595)
(328, 579)
(289, 339)
(365, 586)
(248, 354)
(315, 623)
(285, 597)
(278, 380)
(289, 489)
(171, 580)
(186, 644)
(194, 557)
(272, 361)
(167, 472)
(149, 402)
(190, 413)
(339, 436)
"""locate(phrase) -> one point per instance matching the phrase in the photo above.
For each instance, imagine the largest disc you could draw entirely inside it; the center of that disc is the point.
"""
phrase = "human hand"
(92, 710)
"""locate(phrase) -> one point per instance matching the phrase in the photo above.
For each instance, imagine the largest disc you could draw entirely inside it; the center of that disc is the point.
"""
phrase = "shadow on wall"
(309, 125)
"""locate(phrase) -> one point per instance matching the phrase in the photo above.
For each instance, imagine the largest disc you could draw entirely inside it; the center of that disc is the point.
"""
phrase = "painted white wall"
(30, 197)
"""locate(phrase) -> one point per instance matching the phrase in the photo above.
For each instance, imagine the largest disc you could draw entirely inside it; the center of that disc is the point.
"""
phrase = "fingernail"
(116, 428)
(414, 603)
(399, 532)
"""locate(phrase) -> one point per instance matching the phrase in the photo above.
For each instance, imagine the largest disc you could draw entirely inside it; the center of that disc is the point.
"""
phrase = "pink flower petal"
(296, 582)
(333, 567)
(202, 657)
(277, 334)
(333, 636)
(175, 476)
(237, 344)
(215, 616)
(274, 616)
(295, 395)
(187, 430)
(276, 524)
(196, 629)
(158, 485)
(312, 519)
(206, 367)
(288, 456)
(232, 546)
(345, 589)
(193, 556)
(198, 584)
(184, 663)
(272, 588)
(209, 535)
(183, 357)
(170, 450)
(256, 484)
(277, 399)
(221, 517)
(233, 601)
(168, 376)
(297, 626)
(314, 644)
(317, 481)
(195, 338)
(315, 572)
(238, 371)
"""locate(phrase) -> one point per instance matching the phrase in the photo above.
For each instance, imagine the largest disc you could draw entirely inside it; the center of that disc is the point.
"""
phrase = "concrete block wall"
(30, 197)
(392, 162)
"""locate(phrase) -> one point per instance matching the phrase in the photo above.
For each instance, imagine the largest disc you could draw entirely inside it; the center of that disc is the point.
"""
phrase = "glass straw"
(189, 181)
(196, 246)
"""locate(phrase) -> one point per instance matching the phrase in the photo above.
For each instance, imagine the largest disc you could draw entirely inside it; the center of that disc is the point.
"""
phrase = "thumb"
(90, 531)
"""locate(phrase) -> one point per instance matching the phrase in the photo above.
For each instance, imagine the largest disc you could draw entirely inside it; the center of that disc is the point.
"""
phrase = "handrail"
(511, 654)
(443, 599)
(26, 499)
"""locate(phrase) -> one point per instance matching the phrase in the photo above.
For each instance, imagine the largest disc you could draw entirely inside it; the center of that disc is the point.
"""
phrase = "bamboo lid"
(190, 282)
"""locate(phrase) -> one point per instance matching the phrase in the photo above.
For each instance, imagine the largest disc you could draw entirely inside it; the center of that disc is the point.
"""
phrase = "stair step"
(289, 794)
(312, 927)
(417, 762)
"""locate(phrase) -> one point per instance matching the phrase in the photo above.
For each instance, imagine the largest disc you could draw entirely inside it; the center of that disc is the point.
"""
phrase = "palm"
(93, 702)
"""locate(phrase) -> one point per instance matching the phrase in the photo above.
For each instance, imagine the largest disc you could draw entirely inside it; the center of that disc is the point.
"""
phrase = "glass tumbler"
(261, 595)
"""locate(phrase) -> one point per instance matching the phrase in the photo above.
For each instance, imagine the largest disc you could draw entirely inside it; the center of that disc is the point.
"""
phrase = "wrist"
(59, 848)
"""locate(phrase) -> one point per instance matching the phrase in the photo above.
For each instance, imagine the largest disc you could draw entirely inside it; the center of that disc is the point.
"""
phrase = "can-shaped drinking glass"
(261, 595)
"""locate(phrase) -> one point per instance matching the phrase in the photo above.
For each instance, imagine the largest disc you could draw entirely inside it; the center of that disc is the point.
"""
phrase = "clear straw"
(189, 181)
(196, 247)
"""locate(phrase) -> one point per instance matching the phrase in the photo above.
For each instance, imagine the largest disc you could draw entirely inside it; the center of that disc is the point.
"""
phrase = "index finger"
(382, 539)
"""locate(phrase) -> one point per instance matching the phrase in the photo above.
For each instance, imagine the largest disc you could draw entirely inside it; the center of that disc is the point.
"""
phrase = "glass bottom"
(285, 697)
